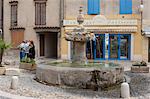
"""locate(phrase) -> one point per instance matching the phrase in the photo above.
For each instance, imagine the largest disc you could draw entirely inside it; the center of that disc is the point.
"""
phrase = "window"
(40, 12)
(125, 6)
(14, 7)
(94, 7)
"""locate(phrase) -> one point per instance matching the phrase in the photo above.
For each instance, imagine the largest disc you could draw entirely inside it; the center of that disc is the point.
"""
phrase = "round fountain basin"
(81, 76)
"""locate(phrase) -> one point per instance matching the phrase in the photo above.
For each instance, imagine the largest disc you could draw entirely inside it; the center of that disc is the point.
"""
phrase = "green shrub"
(3, 47)
(28, 60)
(142, 63)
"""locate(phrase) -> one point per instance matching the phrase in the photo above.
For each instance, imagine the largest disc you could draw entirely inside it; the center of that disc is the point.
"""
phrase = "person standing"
(26, 48)
(32, 50)
(22, 50)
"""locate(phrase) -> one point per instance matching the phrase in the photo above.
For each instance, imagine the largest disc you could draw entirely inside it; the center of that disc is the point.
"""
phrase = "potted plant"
(27, 63)
(140, 67)
(3, 47)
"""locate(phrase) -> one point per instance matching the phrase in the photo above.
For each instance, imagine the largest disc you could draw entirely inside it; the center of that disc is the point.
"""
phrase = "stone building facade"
(117, 28)
(37, 20)
(119, 36)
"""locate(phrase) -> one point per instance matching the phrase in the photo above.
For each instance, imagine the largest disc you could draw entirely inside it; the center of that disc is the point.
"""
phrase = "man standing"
(22, 50)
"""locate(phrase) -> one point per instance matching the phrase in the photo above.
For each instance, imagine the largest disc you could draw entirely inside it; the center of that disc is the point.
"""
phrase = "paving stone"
(12, 72)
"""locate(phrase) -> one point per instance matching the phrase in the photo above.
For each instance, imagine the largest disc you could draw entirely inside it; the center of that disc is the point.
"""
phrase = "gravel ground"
(140, 86)
(1, 97)
(29, 87)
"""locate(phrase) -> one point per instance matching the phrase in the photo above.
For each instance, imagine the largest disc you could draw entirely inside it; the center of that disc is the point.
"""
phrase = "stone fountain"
(80, 73)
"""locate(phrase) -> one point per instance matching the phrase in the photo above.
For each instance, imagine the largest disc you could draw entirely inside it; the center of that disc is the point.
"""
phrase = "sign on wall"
(107, 22)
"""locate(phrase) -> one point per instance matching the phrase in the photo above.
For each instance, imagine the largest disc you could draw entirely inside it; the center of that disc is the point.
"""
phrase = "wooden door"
(16, 38)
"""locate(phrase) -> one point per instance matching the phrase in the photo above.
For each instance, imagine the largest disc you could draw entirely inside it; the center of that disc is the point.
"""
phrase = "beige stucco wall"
(146, 27)
(26, 18)
(108, 7)
(64, 45)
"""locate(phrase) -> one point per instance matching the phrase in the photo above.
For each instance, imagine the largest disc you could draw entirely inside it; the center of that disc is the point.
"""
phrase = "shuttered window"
(94, 7)
(40, 13)
(125, 6)
(14, 21)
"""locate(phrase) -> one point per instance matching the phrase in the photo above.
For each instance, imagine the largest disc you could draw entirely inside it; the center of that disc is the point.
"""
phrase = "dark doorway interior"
(42, 43)
(51, 45)
(48, 45)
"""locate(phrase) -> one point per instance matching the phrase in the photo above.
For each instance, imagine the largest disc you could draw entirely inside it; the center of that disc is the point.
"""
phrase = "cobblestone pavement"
(140, 85)
(5, 95)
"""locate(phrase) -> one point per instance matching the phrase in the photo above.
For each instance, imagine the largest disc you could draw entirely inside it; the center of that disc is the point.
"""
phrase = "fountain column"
(78, 37)
(79, 52)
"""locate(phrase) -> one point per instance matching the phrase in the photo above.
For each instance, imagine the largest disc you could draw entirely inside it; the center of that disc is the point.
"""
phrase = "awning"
(147, 33)
(131, 29)
(40, 29)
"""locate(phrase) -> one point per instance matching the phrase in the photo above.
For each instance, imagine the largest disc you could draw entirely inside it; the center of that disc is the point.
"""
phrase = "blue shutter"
(128, 6)
(96, 6)
(90, 6)
(122, 6)
(125, 6)
(93, 6)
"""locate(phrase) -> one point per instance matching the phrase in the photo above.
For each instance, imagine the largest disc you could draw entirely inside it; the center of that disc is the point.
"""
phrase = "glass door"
(124, 46)
(113, 46)
(99, 52)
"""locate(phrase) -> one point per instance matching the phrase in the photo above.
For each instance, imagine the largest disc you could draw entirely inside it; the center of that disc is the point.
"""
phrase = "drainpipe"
(61, 12)
(2, 16)
(61, 17)
(141, 12)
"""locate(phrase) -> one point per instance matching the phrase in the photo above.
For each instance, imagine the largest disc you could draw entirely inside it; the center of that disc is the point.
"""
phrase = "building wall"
(26, 18)
(146, 27)
(146, 15)
(110, 9)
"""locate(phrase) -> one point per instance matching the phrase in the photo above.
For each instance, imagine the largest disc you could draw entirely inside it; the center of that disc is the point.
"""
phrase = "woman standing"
(32, 50)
